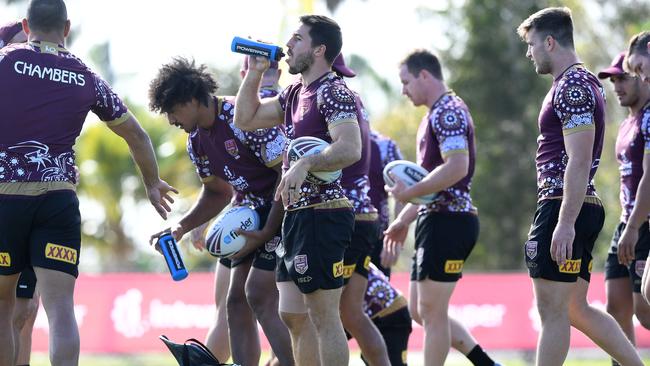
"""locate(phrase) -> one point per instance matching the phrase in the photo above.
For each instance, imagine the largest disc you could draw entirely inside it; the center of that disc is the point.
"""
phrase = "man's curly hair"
(178, 82)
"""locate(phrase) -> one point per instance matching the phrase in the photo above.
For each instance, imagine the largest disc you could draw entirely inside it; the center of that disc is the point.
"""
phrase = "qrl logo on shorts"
(337, 269)
(272, 244)
(5, 259)
(531, 249)
(455, 266)
(572, 266)
(61, 253)
(639, 266)
(300, 263)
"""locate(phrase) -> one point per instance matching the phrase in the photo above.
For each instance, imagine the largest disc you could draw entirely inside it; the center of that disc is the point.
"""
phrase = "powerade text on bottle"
(253, 48)
(172, 256)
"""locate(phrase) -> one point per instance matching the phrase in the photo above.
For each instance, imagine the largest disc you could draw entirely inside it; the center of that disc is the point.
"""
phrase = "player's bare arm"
(579, 149)
(344, 151)
(454, 168)
(395, 234)
(139, 143)
(638, 216)
(251, 112)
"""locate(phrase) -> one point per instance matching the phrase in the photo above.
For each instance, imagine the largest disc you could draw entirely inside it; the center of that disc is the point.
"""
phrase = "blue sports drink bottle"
(254, 48)
(172, 256)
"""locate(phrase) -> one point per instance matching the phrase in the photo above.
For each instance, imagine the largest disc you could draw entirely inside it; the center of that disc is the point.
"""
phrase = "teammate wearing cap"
(43, 85)
(447, 228)
(631, 240)
(569, 213)
(318, 222)
(228, 159)
(366, 233)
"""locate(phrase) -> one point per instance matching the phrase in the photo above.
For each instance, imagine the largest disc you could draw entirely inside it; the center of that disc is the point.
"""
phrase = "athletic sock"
(478, 357)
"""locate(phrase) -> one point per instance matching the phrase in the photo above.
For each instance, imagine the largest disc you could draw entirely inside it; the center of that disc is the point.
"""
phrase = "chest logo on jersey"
(61, 253)
(300, 263)
(231, 148)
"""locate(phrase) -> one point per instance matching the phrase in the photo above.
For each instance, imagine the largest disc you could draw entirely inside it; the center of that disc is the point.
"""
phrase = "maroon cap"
(244, 65)
(9, 31)
(616, 68)
(341, 68)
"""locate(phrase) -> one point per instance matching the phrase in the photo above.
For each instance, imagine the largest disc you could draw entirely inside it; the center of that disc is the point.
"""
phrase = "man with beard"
(569, 213)
(319, 220)
(631, 241)
(230, 160)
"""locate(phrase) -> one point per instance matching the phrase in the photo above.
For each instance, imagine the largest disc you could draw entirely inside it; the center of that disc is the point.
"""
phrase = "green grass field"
(590, 358)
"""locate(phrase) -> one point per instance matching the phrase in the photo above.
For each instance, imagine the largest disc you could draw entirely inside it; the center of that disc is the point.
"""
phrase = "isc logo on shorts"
(337, 269)
(5, 259)
(455, 266)
(572, 266)
(61, 253)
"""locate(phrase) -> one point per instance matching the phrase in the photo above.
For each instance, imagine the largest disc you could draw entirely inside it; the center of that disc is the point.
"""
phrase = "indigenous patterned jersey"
(244, 159)
(632, 143)
(448, 129)
(45, 95)
(383, 151)
(576, 102)
(312, 110)
(381, 298)
(355, 177)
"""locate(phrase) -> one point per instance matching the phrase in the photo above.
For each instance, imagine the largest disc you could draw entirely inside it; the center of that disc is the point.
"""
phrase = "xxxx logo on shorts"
(572, 266)
(366, 262)
(349, 270)
(5, 259)
(61, 253)
(300, 263)
(337, 269)
(454, 266)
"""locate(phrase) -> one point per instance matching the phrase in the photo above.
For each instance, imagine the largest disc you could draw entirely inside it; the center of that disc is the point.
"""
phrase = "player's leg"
(463, 341)
(323, 309)
(262, 295)
(356, 321)
(26, 309)
(293, 312)
(395, 329)
(217, 338)
(600, 327)
(55, 244)
(244, 338)
(433, 304)
(637, 268)
(620, 304)
(355, 272)
(57, 289)
(7, 303)
(552, 299)
(413, 301)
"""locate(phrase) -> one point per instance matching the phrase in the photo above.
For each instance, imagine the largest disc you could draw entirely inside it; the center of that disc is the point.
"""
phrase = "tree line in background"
(485, 65)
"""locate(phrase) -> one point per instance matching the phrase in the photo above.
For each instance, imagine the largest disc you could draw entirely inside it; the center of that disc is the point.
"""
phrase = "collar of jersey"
(48, 47)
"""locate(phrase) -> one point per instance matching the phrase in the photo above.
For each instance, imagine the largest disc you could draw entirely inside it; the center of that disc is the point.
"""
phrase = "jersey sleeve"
(198, 158)
(108, 105)
(574, 103)
(337, 104)
(394, 153)
(645, 130)
(267, 144)
(450, 126)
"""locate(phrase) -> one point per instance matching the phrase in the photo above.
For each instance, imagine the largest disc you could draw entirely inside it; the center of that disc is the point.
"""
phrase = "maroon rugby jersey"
(244, 159)
(576, 102)
(381, 297)
(46, 93)
(448, 129)
(355, 177)
(632, 143)
(312, 110)
(383, 151)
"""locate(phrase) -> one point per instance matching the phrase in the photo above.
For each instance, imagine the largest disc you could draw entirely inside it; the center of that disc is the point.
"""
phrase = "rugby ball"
(222, 239)
(308, 145)
(409, 173)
